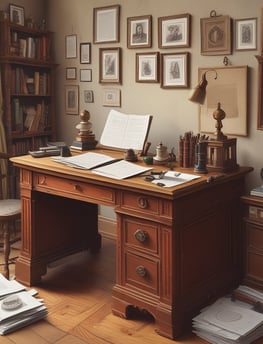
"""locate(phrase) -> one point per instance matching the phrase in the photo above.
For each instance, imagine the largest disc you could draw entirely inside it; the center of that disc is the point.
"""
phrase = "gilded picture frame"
(174, 31)
(147, 67)
(216, 35)
(106, 24)
(110, 65)
(139, 32)
(174, 70)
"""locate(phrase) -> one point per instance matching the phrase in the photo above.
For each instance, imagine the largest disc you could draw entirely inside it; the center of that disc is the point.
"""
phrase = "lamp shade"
(199, 93)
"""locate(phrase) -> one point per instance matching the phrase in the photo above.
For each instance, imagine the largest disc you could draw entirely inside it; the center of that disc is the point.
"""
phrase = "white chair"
(10, 212)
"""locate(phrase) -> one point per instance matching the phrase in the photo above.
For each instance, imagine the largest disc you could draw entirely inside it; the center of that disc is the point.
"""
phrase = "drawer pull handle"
(141, 271)
(43, 181)
(141, 235)
(77, 187)
(143, 202)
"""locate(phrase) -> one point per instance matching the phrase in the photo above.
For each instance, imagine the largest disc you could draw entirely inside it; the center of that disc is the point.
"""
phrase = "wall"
(173, 113)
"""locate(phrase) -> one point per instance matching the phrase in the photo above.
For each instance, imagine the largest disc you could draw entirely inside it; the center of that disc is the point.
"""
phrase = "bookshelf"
(27, 73)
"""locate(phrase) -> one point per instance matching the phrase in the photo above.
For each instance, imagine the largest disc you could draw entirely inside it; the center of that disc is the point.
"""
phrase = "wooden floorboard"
(77, 293)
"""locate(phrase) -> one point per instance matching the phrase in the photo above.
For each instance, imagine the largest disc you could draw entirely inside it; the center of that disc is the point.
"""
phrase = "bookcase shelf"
(28, 77)
(27, 72)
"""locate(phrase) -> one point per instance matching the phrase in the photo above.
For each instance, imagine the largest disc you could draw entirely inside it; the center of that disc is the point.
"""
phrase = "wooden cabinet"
(253, 241)
(27, 73)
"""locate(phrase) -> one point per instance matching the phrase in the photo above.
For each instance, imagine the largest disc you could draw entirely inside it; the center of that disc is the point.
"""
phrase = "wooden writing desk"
(177, 248)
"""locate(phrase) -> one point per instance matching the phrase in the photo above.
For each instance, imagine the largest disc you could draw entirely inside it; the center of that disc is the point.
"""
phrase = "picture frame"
(88, 96)
(71, 73)
(106, 24)
(246, 34)
(230, 90)
(139, 32)
(112, 97)
(85, 75)
(17, 14)
(72, 99)
(71, 46)
(174, 31)
(85, 53)
(174, 70)
(147, 67)
(216, 35)
(110, 65)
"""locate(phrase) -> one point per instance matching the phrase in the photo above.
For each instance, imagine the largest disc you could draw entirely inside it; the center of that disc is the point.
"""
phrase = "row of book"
(33, 82)
(30, 47)
(29, 117)
(18, 306)
(230, 320)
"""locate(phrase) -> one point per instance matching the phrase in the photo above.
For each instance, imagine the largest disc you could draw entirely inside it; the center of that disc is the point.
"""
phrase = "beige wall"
(173, 113)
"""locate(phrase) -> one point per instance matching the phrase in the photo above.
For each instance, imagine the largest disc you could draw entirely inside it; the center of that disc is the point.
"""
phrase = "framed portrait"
(106, 24)
(147, 67)
(88, 96)
(17, 14)
(71, 46)
(230, 90)
(174, 31)
(72, 99)
(110, 65)
(85, 75)
(71, 73)
(111, 97)
(174, 70)
(85, 53)
(246, 34)
(139, 32)
(216, 35)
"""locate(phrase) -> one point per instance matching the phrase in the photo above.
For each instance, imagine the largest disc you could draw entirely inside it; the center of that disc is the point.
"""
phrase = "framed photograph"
(85, 52)
(72, 99)
(174, 31)
(110, 65)
(246, 34)
(17, 14)
(71, 46)
(147, 67)
(88, 96)
(106, 24)
(71, 73)
(139, 32)
(216, 35)
(174, 70)
(86, 75)
(230, 90)
(111, 97)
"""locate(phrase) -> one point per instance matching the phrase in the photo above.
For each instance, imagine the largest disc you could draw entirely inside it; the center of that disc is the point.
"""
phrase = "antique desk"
(177, 248)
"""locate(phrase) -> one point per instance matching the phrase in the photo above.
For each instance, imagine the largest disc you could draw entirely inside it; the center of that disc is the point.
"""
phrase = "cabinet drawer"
(134, 201)
(141, 235)
(75, 189)
(142, 272)
(255, 237)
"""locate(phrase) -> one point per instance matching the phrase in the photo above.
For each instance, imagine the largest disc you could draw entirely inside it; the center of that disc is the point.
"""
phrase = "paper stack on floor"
(229, 322)
(18, 307)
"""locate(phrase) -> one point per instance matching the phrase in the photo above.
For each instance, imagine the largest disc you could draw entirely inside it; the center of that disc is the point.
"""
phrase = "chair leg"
(6, 249)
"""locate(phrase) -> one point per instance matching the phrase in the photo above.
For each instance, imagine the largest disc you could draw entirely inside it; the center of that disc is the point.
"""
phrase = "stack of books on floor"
(18, 306)
(230, 321)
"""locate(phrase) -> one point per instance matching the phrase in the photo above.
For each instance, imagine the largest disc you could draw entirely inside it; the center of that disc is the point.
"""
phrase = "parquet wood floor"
(77, 293)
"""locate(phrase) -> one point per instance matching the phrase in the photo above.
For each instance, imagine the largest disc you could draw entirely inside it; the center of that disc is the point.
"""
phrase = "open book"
(124, 131)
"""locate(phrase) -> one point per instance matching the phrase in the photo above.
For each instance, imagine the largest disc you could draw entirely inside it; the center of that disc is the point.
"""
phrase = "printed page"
(125, 131)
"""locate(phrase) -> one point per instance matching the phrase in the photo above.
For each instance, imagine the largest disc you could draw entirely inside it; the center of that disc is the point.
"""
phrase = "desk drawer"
(142, 235)
(80, 190)
(134, 201)
(142, 272)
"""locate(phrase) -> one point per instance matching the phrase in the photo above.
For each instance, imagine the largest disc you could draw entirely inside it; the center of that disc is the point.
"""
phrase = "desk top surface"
(48, 166)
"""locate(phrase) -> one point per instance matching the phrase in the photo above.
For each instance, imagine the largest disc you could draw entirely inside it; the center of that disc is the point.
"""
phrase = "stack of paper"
(229, 322)
(18, 307)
